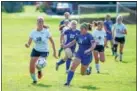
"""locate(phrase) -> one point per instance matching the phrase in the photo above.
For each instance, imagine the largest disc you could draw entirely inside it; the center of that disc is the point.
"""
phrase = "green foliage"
(11, 7)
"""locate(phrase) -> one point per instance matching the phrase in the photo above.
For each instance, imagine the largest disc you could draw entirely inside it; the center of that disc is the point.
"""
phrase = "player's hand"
(63, 46)
(88, 51)
(27, 45)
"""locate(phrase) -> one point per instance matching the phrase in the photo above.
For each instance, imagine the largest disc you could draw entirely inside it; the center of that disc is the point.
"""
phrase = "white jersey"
(41, 40)
(99, 36)
(65, 28)
(119, 28)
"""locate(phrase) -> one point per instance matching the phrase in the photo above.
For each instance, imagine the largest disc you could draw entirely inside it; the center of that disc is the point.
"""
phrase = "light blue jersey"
(41, 40)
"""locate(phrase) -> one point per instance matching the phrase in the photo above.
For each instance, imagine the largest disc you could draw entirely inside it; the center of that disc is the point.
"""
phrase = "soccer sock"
(60, 50)
(68, 62)
(97, 67)
(33, 76)
(115, 48)
(70, 76)
(60, 62)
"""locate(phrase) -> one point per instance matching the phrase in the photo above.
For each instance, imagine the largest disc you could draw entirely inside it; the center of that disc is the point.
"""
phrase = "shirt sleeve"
(31, 34)
(48, 33)
(91, 38)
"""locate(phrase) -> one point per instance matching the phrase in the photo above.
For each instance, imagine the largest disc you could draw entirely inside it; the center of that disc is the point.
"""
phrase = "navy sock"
(60, 62)
(70, 76)
(68, 62)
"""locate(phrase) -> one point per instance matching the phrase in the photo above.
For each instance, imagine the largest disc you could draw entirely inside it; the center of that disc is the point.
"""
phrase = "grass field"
(115, 76)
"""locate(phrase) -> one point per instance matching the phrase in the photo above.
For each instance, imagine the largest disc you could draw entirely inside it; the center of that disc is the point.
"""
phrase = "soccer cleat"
(57, 66)
(89, 70)
(39, 74)
(34, 82)
(66, 84)
(98, 72)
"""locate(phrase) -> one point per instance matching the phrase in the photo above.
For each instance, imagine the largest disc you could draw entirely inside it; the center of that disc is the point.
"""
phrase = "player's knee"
(72, 68)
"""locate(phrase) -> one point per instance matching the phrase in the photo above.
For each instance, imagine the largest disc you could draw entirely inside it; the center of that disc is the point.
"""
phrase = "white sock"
(97, 67)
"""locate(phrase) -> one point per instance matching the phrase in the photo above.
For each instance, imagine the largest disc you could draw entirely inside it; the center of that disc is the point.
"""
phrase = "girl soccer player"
(100, 38)
(84, 53)
(108, 27)
(119, 32)
(40, 37)
(68, 36)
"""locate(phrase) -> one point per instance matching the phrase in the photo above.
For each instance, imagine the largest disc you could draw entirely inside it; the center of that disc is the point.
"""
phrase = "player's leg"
(68, 63)
(102, 54)
(60, 51)
(70, 75)
(32, 68)
(121, 47)
(115, 47)
(96, 57)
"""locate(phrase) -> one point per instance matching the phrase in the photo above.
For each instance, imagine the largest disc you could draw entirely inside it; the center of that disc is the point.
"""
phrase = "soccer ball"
(41, 63)
(68, 53)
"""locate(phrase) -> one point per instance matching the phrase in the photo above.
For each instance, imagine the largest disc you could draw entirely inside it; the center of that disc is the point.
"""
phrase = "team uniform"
(99, 37)
(69, 36)
(84, 43)
(41, 48)
(108, 26)
(119, 37)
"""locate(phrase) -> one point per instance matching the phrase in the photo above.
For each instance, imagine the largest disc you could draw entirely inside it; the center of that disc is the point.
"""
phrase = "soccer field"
(114, 76)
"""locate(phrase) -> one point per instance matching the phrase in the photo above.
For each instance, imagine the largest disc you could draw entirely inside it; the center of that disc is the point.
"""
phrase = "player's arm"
(91, 48)
(113, 31)
(105, 42)
(69, 44)
(27, 45)
(124, 32)
(53, 46)
(61, 39)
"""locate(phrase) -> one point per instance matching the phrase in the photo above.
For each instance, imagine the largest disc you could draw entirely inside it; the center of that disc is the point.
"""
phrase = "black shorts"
(99, 48)
(35, 53)
(120, 39)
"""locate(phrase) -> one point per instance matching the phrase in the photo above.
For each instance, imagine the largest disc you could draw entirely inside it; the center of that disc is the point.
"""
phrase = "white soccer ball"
(41, 63)
(68, 53)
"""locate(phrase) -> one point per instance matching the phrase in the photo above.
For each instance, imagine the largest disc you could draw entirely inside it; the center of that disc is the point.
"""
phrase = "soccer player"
(68, 36)
(40, 36)
(119, 32)
(61, 26)
(84, 53)
(100, 38)
(108, 27)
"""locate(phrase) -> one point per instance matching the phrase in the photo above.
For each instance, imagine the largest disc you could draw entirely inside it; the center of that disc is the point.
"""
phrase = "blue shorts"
(35, 53)
(109, 36)
(85, 58)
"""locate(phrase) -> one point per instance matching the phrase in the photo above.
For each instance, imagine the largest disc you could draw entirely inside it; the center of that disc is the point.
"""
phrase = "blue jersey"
(70, 35)
(108, 25)
(84, 42)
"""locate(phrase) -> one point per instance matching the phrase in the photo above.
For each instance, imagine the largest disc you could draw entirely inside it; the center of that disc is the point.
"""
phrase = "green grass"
(115, 76)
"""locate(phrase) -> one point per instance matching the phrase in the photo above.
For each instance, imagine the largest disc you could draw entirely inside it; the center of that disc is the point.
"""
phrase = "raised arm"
(69, 44)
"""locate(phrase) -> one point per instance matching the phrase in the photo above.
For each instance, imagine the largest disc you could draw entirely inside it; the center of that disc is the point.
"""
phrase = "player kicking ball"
(66, 37)
(100, 38)
(40, 36)
(119, 32)
(83, 55)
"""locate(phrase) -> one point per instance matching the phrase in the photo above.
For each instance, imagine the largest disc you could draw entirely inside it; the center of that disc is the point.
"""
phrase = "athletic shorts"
(35, 53)
(85, 59)
(99, 48)
(109, 36)
(120, 39)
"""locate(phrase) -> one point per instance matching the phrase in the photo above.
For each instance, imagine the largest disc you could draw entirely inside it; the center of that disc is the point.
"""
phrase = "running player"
(61, 26)
(100, 37)
(119, 32)
(108, 27)
(40, 37)
(68, 36)
(84, 53)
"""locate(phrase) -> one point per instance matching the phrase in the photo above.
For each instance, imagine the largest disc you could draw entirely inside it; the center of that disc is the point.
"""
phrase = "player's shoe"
(98, 71)
(89, 70)
(66, 84)
(39, 74)
(57, 66)
(34, 82)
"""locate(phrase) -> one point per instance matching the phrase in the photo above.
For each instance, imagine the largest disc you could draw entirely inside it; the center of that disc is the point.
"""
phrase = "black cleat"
(89, 71)
(66, 84)
(98, 72)
(34, 82)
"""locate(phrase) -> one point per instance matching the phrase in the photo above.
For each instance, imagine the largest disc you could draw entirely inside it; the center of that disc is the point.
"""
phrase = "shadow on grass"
(125, 62)
(104, 73)
(43, 85)
(89, 87)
